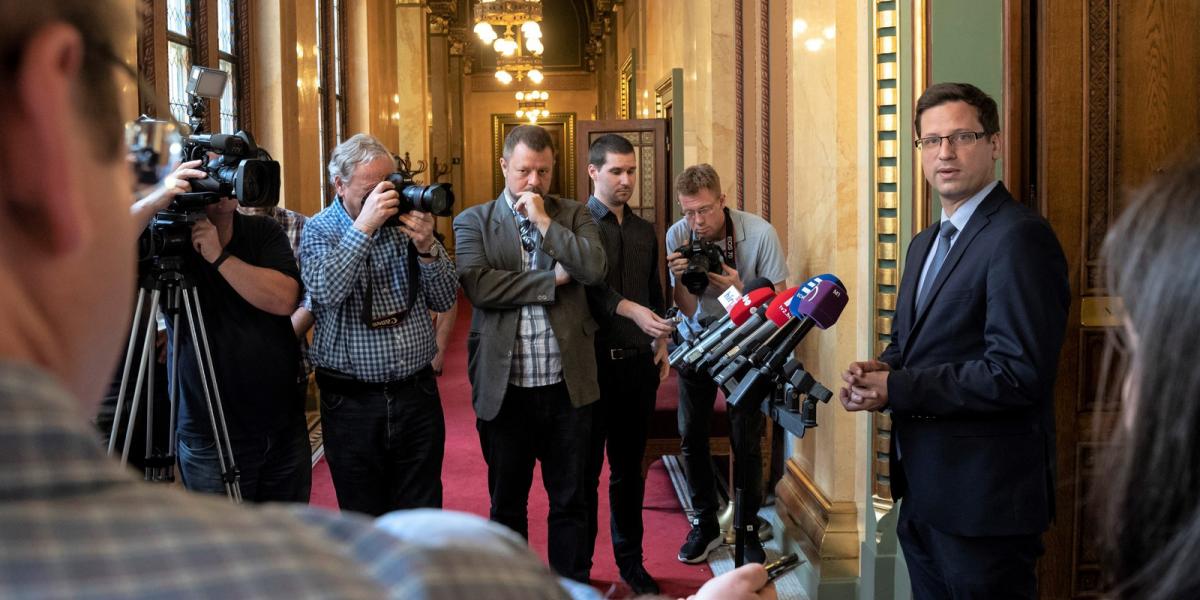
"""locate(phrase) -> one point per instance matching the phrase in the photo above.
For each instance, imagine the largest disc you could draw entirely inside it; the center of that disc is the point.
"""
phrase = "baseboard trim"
(826, 531)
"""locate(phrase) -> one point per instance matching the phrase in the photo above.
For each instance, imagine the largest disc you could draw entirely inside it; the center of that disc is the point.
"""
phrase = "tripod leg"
(173, 394)
(147, 352)
(151, 361)
(133, 331)
(207, 374)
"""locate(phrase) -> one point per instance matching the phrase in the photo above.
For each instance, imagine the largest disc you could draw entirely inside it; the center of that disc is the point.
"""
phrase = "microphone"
(690, 341)
(821, 307)
(741, 311)
(752, 332)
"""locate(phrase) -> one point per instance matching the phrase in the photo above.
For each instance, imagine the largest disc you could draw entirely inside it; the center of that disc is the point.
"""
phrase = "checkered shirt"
(536, 359)
(76, 525)
(293, 225)
(334, 261)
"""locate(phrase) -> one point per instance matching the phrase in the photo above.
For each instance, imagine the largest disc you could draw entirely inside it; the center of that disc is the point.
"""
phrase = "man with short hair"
(524, 260)
(631, 353)
(969, 373)
(750, 249)
(372, 285)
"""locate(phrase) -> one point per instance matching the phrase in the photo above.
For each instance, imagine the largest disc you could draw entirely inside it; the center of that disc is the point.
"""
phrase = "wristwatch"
(433, 252)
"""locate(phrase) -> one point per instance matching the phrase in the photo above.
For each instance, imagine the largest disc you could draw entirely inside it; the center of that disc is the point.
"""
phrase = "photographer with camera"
(249, 285)
(716, 247)
(374, 270)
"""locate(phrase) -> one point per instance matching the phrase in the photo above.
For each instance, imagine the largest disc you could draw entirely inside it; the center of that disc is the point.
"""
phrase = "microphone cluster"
(748, 351)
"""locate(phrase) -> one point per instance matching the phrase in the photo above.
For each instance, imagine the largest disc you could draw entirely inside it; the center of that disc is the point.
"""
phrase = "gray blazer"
(488, 255)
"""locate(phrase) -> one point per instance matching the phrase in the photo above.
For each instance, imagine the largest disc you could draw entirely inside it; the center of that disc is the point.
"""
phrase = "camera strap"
(394, 319)
(729, 248)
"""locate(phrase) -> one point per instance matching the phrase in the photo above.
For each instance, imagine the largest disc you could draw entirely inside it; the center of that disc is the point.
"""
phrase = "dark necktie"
(939, 256)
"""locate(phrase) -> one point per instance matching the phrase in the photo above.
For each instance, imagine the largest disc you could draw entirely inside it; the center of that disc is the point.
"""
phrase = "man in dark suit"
(969, 373)
(524, 260)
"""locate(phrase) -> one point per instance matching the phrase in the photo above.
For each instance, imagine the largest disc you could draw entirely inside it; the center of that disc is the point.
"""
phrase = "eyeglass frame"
(702, 212)
(920, 143)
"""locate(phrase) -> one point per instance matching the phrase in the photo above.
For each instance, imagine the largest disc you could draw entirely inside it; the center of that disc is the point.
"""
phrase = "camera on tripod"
(238, 169)
(702, 258)
(435, 198)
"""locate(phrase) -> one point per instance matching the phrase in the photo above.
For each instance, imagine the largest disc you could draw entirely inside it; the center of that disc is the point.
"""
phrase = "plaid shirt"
(293, 225)
(536, 359)
(336, 261)
(74, 524)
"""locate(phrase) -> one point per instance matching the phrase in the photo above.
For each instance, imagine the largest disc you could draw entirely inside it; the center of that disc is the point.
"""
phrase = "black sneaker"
(640, 581)
(702, 539)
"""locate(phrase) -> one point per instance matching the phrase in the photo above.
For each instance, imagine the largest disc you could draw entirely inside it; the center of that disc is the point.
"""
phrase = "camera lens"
(436, 199)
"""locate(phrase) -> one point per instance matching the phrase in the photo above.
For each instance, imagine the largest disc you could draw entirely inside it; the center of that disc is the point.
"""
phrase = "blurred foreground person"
(1152, 515)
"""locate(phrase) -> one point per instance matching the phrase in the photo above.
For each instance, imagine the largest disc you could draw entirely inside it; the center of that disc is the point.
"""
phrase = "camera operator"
(372, 286)
(749, 249)
(249, 284)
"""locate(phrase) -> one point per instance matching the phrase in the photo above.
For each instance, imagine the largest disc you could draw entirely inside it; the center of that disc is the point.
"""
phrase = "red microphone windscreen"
(778, 310)
(739, 312)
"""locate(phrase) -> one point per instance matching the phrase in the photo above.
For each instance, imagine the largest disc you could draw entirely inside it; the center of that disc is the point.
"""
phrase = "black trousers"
(620, 423)
(384, 445)
(697, 393)
(942, 565)
(539, 424)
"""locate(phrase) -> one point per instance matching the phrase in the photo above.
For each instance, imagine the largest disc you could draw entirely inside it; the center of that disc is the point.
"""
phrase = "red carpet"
(464, 477)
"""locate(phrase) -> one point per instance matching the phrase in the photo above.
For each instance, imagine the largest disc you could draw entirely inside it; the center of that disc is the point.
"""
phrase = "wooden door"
(1106, 94)
(652, 195)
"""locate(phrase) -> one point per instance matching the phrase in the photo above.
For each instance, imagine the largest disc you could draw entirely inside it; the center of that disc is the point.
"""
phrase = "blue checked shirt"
(77, 525)
(536, 359)
(335, 261)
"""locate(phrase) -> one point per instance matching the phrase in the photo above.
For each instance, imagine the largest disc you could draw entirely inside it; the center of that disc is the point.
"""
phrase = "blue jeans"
(384, 444)
(274, 467)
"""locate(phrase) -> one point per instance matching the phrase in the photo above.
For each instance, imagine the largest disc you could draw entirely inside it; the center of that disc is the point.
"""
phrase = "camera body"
(436, 198)
(238, 169)
(702, 258)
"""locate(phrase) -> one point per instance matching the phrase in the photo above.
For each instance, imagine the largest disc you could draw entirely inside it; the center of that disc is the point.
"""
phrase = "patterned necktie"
(943, 247)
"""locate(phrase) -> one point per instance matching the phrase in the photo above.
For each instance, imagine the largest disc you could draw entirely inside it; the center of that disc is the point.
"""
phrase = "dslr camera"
(238, 169)
(435, 198)
(702, 258)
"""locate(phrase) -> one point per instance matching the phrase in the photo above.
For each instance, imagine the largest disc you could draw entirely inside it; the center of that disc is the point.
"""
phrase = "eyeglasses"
(700, 212)
(155, 146)
(961, 139)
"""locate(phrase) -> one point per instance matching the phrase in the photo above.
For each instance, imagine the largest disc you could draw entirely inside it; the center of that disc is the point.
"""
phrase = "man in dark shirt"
(249, 285)
(631, 353)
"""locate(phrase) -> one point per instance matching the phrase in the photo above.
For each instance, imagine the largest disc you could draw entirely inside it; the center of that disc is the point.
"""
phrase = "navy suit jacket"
(972, 382)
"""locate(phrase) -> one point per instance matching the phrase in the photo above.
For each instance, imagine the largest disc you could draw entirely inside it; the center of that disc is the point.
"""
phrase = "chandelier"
(519, 45)
(532, 105)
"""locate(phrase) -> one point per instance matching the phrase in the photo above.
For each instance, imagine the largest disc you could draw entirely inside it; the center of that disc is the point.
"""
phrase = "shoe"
(702, 539)
(754, 550)
(640, 581)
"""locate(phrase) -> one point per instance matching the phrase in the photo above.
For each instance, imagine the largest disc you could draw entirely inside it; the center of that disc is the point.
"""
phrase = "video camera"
(435, 198)
(703, 258)
(238, 169)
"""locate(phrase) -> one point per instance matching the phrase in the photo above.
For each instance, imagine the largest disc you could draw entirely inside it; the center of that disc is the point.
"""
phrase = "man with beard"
(523, 261)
